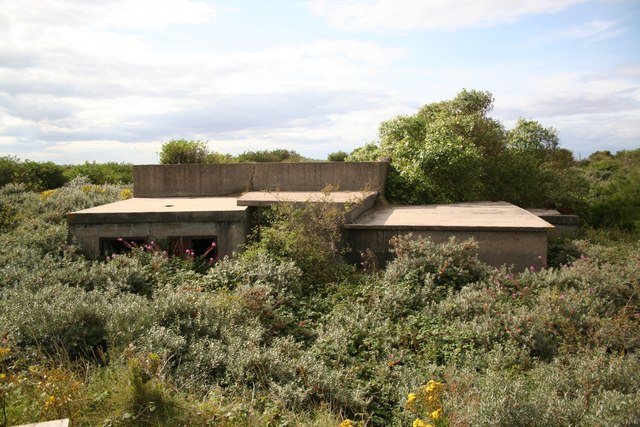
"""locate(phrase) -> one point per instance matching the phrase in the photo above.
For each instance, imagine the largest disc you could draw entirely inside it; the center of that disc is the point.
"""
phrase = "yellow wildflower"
(347, 423)
(48, 193)
(437, 414)
(433, 387)
(126, 194)
(410, 404)
(4, 351)
(419, 423)
(50, 402)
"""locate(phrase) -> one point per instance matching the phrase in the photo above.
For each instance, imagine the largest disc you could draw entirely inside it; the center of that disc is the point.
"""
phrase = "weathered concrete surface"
(354, 202)
(54, 423)
(197, 180)
(505, 233)
(485, 215)
(563, 224)
(156, 219)
(202, 180)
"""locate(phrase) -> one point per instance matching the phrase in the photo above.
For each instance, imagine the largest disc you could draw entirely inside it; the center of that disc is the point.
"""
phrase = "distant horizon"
(112, 81)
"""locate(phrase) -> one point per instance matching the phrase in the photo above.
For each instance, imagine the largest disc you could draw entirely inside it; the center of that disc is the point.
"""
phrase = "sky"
(112, 80)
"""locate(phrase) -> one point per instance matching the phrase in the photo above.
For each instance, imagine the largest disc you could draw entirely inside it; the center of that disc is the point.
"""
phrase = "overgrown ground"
(287, 334)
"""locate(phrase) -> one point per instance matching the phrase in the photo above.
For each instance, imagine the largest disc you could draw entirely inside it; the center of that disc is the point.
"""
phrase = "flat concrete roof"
(162, 210)
(268, 198)
(54, 423)
(486, 216)
(174, 204)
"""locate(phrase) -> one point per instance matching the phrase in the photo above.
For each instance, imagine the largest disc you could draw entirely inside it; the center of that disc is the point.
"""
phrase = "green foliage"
(55, 317)
(367, 153)
(451, 264)
(338, 156)
(101, 173)
(614, 194)
(214, 157)
(182, 151)
(9, 166)
(276, 155)
(34, 175)
(310, 236)
(452, 151)
(287, 334)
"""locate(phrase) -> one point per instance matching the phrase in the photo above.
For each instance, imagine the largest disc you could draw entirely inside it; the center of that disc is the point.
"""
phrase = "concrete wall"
(230, 235)
(201, 180)
(520, 248)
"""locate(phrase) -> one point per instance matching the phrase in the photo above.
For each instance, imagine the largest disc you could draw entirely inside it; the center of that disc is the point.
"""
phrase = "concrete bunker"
(190, 205)
(506, 234)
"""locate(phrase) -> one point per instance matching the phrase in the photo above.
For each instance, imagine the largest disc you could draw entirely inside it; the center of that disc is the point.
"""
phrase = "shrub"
(570, 391)
(55, 318)
(310, 236)
(102, 173)
(182, 151)
(338, 156)
(448, 265)
(277, 155)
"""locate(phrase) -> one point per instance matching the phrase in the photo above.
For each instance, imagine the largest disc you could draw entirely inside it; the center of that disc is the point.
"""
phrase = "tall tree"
(443, 152)
(452, 151)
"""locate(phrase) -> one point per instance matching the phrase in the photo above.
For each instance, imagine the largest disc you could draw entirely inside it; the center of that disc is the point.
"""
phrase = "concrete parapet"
(564, 224)
(204, 180)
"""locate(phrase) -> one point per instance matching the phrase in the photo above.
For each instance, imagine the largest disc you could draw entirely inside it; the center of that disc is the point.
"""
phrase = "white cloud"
(591, 31)
(140, 152)
(138, 14)
(80, 83)
(591, 112)
(409, 15)
(86, 81)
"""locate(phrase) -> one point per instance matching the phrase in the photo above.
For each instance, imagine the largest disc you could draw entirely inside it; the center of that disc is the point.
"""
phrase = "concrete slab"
(161, 210)
(54, 423)
(268, 198)
(486, 216)
(173, 204)
(554, 217)
(160, 218)
(506, 234)
(361, 200)
(565, 224)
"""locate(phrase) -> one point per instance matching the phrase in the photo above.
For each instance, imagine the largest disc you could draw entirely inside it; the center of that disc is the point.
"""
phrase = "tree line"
(448, 151)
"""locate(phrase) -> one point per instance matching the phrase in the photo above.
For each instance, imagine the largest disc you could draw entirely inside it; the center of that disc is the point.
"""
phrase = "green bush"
(338, 156)
(182, 151)
(287, 333)
(55, 318)
(614, 189)
(450, 265)
(277, 155)
(310, 236)
(590, 389)
(36, 176)
(101, 173)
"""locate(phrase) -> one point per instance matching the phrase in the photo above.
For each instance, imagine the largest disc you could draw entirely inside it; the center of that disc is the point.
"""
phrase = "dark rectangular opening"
(111, 245)
(197, 246)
